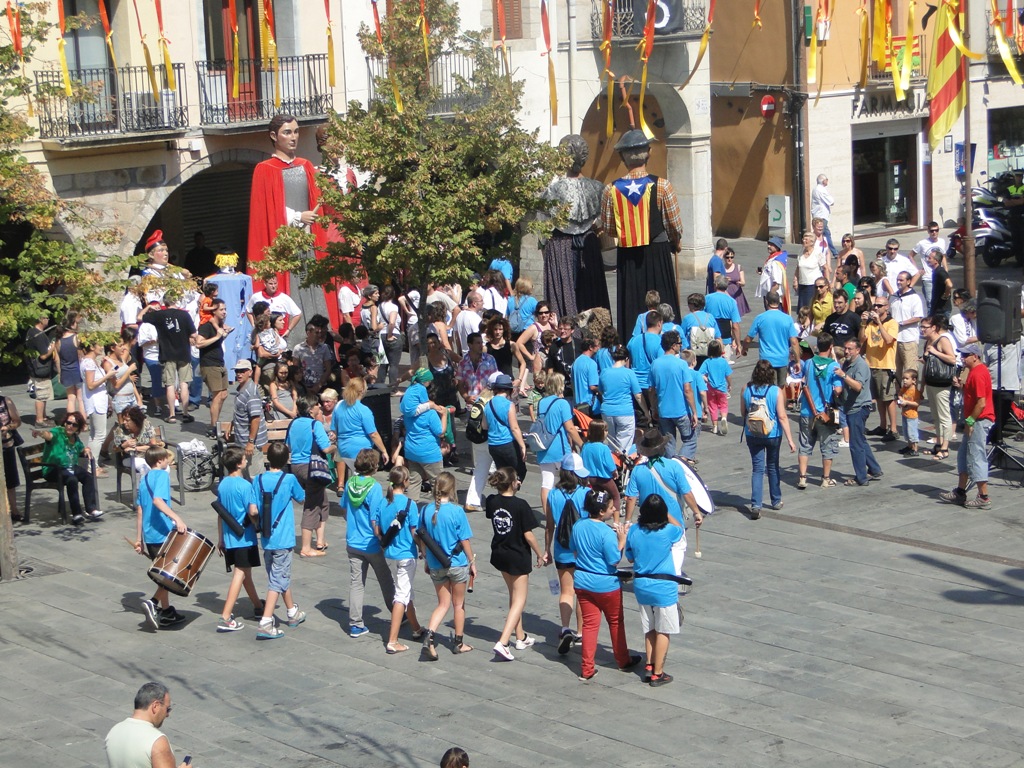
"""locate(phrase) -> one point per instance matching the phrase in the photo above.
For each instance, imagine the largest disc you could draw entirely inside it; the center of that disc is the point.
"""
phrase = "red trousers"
(592, 605)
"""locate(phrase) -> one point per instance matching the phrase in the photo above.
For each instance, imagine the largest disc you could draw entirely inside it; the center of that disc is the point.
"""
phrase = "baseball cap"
(573, 463)
(243, 365)
(971, 349)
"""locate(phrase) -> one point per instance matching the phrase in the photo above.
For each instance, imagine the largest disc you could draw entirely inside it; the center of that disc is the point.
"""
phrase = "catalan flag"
(633, 211)
(946, 83)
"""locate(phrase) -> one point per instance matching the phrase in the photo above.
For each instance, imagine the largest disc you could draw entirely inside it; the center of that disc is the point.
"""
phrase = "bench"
(31, 458)
(120, 469)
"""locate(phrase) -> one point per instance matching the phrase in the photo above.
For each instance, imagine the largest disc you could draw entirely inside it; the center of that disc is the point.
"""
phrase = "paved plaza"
(856, 627)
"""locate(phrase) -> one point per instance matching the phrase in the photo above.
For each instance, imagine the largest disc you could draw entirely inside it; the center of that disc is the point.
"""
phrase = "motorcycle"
(993, 240)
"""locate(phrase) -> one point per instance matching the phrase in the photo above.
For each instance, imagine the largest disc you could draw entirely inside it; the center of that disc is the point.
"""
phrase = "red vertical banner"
(500, 9)
(399, 106)
(233, 22)
(645, 46)
(424, 26)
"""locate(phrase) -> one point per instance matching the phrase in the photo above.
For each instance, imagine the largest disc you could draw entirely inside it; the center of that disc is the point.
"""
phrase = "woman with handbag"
(310, 468)
(939, 369)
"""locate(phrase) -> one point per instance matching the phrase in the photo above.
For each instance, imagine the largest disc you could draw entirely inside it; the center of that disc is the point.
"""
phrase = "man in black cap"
(642, 211)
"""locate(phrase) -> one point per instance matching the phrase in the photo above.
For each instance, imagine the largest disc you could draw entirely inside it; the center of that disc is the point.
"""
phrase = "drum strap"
(678, 497)
(276, 487)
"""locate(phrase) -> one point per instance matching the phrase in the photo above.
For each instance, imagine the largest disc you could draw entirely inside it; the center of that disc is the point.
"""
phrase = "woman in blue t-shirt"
(764, 448)
(504, 438)
(599, 461)
(445, 522)
(402, 514)
(302, 433)
(568, 489)
(352, 425)
(649, 546)
(598, 549)
(620, 388)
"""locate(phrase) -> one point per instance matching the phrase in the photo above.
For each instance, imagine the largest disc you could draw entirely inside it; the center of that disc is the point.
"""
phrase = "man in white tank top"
(137, 742)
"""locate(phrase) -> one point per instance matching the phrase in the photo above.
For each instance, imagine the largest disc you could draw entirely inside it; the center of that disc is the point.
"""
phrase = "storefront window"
(1006, 140)
(885, 181)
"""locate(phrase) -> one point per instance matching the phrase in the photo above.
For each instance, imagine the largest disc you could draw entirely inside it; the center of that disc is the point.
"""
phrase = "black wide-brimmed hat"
(633, 139)
(652, 444)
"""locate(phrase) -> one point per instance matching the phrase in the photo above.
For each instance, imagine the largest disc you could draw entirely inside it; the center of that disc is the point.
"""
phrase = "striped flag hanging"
(946, 83)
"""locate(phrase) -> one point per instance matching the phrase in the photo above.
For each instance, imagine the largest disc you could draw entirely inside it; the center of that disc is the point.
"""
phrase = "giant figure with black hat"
(642, 211)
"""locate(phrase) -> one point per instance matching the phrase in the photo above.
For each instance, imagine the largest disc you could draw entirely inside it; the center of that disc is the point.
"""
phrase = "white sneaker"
(96, 514)
(723, 426)
(526, 642)
(843, 444)
(503, 653)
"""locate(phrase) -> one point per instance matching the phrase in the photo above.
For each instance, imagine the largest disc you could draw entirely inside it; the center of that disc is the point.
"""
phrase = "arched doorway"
(214, 202)
(603, 163)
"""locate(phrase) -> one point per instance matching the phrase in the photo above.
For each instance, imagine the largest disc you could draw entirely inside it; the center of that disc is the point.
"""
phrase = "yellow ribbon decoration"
(234, 65)
(151, 72)
(168, 66)
(897, 85)
(552, 85)
(865, 45)
(908, 49)
(757, 15)
(606, 49)
(812, 57)
(425, 29)
(277, 74)
(1004, 46)
(645, 46)
(330, 56)
(64, 67)
(700, 55)
(880, 34)
(950, 9)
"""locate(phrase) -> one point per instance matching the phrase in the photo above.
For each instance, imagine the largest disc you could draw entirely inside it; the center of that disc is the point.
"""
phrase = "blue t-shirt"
(642, 484)
(695, 320)
(597, 553)
(497, 411)
(770, 395)
(556, 503)
(282, 514)
(669, 375)
(423, 437)
(618, 385)
(504, 266)
(359, 533)
(722, 306)
(699, 386)
(452, 526)
(413, 398)
(773, 329)
(235, 493)
(716, 369)
(300, 438)
(715, 264)
(555, 411)
(651, 552)
(525, 306)
(604, 359)
(353, 424)
(597, 458)
(826, 380)
(584, 376)
(640, 325)
(643, 351)
(402, 547)
(156, 484)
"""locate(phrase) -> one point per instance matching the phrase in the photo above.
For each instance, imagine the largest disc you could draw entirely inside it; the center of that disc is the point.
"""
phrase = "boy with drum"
(235, 494)
(155, 520)
(278, 546)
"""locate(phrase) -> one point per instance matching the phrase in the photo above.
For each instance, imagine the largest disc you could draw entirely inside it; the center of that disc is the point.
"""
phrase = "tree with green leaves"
(449, 184)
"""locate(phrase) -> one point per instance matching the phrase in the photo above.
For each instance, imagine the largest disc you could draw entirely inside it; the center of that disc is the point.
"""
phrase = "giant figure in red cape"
(284, 191)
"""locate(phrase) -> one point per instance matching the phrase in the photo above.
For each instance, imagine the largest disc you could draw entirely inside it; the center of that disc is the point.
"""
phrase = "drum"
(180, 561)
(700, 491)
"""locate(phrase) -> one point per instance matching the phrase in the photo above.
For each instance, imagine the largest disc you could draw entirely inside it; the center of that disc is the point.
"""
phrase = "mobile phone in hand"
(187, 760)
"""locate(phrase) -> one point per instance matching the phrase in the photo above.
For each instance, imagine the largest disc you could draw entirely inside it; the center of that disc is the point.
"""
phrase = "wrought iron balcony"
(446, 71)
(301, 81)
(107, 101)
(675, 17)
(1015, 41)
(917, 51)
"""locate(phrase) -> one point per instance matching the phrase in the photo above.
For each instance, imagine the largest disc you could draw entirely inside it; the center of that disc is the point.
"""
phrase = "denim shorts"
(813, 431)
(972, 456)
(457, 574)
(279, 569)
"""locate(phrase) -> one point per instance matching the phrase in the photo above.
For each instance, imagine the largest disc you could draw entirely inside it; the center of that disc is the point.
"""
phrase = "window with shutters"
(513, 19)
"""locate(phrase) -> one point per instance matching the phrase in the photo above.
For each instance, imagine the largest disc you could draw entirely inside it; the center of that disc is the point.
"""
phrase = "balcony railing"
(992, 47)
(674, 17)
(446, 71)
(303, 88)
(917, 59)
(107, 101)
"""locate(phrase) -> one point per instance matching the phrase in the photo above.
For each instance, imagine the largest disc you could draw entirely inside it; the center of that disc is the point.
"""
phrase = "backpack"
(475, 431)
(516, 321)
(700, 337)
(570, 516)
(539, 435)
(759, 419)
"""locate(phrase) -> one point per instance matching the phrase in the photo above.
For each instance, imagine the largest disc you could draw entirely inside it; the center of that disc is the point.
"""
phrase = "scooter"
(992, 237)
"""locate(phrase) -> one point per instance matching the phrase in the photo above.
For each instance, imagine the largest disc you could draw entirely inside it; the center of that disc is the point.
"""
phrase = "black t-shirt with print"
(511, 517)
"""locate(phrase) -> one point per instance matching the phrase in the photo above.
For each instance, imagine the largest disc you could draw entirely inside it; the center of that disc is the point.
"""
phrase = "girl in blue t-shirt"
(445, 522)
(649, 546)
(599, 461)
(399, 512)
(718, 374)
(567, 489)
(362, 496)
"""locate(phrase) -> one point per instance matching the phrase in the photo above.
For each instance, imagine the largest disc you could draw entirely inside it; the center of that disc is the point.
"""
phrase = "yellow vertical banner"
(704, 40)
(145, 50)
(399, 106)
(330, 44)
(233, 21)
(545, 26)
(606, 49)
(165, 47)
(865, 43)
(65, 75)
(645, 46)
(275, 62)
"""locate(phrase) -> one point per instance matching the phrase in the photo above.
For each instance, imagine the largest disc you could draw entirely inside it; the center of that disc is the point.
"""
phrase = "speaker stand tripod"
(999, 448)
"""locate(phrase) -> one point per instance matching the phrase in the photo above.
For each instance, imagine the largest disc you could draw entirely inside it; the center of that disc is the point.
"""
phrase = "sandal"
(851, 481)
(428, 653)
(321, 547)
(940, 455)
(393, 648)
(314, 553)
(419, 634)
(461, 648)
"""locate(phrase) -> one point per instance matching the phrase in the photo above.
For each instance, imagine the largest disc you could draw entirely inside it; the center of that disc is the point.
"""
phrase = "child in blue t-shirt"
(599, 461)
(154, 521)
(718, 373)
(235, 495)
(277, 547)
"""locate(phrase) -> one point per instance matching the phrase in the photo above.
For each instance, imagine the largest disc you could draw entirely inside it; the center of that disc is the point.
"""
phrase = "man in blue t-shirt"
(643, 351)
(677, 410)
(776, 334)
(716, 265)
(721, 306)
(585, 378)
(823, 383)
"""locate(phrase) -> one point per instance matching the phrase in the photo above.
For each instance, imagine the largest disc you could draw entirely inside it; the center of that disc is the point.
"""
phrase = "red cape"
(266, 216)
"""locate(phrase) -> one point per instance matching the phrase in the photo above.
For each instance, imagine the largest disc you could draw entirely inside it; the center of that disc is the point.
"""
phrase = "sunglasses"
(932, 231)
(543, 312)
(878, 306)
(820, 287)
(892, 247)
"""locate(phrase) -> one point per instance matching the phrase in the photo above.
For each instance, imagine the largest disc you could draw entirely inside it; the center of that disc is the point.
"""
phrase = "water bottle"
(554, 586)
